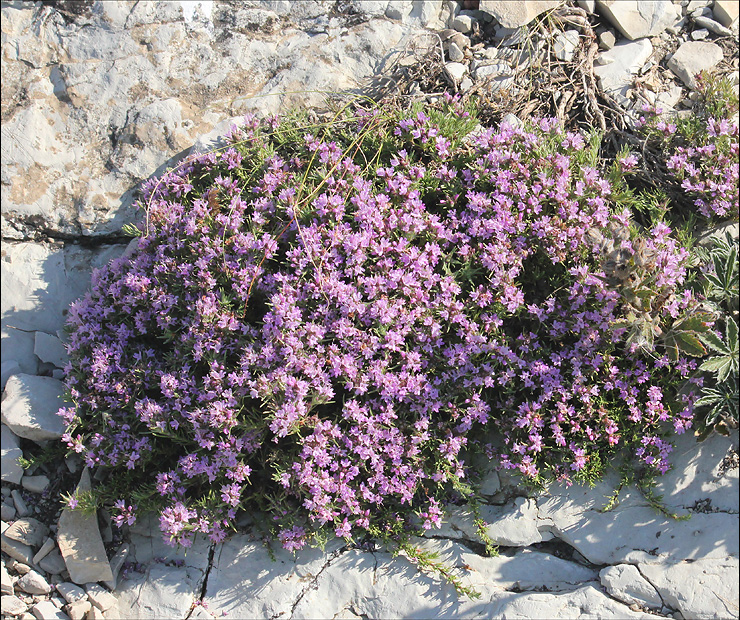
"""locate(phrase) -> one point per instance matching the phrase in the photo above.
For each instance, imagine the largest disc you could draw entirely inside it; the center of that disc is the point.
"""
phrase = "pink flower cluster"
(324, 341)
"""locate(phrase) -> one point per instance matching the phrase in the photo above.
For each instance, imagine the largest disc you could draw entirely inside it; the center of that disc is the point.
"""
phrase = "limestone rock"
(463, 23)
(71, 592)
(13, 606)
(455, 70)
(80, 543)
(427, 13)
(7, 369)
(398, 9)
(6, 583)
(31, 532)
(692, 58)
(78, 610)
(46, 610)
(165, 592)
(16, 550)
(712, 26)
(624, 61)
(706, 588)
(30, 407)
(625, 583)
(638, 18)
(566, 44)
(116, 563)
(726, 12)
(516, 13)
(35, 484)
(99, 596)
(50, 349)
(455, 53)
(33, 583)
(48, 546)
(10, 453)
(53, 563)
(20, 504)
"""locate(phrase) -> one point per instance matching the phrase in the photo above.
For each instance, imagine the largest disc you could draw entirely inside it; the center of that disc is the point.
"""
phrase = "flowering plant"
(321, 322)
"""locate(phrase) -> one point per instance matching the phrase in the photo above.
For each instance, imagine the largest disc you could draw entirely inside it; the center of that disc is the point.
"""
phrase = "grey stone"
(6, 583)
(169, 592)
(99, 596)
(13, 606)
(50, 349)
(30, 407)
(116, 562)
(566, 44)
(726, 12)
(712, 26)
(705, 588)
(80, 543)
(636, 19)
(463, 23)
(53, 563)
(31, 532)
(71, 592)
(607, 40)
(10, 453)
(455, 70)
(426, 13)
(35, 484)
(20, 504)
(77, 610)
(46, 610)
(8, 368)
(33, 583)
(16, 550)
(45, 550)
(624, 582)
(624, 61)
(692, 58)
(96, 614)
(398, 9)
(699, 35)
(455, 53)
(516, 13)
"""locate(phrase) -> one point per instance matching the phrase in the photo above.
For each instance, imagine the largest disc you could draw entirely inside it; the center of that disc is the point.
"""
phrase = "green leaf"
(732, 335)
(715, 364)
(690, 344)
(713, 342)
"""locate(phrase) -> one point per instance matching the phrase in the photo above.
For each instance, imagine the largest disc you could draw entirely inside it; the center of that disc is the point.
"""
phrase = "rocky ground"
(98, 96)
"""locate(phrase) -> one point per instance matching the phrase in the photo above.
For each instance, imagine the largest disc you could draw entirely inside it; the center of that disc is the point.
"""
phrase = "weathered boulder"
(80, 542)
(694, 57)
(30, 407)
(516, 13)
(636, 19)
(9, 455)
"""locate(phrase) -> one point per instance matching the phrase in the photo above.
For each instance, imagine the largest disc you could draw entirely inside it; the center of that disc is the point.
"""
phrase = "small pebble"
(33, 583)
(7, 512)
(700, 35)
(71, 592)
(78, 610)
(45, 549)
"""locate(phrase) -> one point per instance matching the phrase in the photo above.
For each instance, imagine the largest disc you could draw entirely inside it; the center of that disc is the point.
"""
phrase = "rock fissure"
(313, 582)
(202, 591)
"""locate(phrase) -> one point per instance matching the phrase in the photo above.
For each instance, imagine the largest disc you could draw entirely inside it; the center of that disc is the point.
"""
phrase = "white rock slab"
(49, 348)
(10, 452)
(163, 592)
(7, 369)
(726, 12)
(29, 531)
(71, 592)
(706, 588)
(46, 610)
(700, 475)
(639, 18)
(80, 543)
(30, 407)
(516, 13)
(623, 62)
(692, 58)
(624, 582)
(33, 583)
(13, 605)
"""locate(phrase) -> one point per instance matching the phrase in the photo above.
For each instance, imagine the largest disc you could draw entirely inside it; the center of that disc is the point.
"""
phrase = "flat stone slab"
(30, 407)
(638, 18)
(80, 543)
(692, 58)
(29, 531)
(10, 470)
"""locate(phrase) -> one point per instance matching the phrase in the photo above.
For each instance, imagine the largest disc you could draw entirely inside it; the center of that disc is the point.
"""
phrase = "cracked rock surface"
(97, 97)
